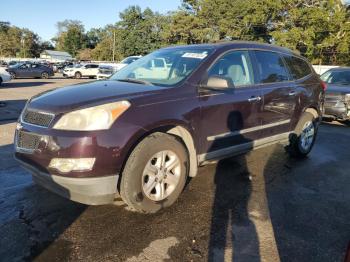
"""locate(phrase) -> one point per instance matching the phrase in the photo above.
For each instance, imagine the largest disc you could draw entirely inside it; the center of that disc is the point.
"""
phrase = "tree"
(71, 36)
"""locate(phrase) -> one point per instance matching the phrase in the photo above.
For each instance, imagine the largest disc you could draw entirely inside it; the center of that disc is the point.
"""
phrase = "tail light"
(323, 85)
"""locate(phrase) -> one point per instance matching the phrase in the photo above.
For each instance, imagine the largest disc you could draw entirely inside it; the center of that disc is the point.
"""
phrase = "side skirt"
(242, 148)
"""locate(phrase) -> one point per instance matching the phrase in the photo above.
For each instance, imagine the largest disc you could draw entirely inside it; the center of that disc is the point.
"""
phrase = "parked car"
(126, 61)
(4, 75)
(30, 70)
(79, 71)
(105, 71)
(337, 100)
(143, 136)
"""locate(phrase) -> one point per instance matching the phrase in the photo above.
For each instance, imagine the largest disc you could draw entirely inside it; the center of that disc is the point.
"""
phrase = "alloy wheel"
(307, 136)
(161, 175)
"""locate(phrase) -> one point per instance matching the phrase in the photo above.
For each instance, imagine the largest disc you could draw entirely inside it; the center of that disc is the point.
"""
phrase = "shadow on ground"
(10, 110)
(15, 84)
(272, 208)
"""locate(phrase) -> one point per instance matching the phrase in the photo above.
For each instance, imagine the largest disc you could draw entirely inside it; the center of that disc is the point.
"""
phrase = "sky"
(41, 16)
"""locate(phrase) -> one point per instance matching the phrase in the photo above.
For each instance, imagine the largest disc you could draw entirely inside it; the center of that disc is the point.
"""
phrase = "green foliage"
(19, 42)
(318, 29)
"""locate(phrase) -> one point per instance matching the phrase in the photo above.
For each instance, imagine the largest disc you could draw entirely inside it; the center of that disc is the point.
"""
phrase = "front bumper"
(90, 191)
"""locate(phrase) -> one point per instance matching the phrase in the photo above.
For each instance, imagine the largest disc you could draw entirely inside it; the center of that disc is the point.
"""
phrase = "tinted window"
(271, 68)
(337, 77)
(93, 66)
(236, 66)
(298, 68)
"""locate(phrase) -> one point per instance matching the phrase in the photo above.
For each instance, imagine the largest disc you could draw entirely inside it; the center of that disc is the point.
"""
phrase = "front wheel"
(13, 75)
(303, 138)
(155, 173)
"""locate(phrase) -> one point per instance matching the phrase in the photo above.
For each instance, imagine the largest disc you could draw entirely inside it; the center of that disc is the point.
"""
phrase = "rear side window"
(235, 65)
(298, 68)
(271, 67)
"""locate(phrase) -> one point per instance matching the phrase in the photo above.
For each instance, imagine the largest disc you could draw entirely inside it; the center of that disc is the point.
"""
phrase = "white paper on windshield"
(195, 55)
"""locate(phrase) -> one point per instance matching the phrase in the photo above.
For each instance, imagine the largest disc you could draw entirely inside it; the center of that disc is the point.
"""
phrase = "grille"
(28, 141)
(37, 118)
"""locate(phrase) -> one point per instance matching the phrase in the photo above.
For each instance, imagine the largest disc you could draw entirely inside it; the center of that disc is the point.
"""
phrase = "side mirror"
(217, 83)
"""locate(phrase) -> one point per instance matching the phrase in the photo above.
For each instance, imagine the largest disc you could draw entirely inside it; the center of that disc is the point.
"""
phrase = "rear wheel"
(155, 173)
(303, 138)
(44, 75)
(13, 75)
(77, 75)
(0, 81)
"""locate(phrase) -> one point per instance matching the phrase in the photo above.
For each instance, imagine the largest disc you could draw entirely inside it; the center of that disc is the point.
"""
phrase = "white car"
(79, 71)
(126, 61)
(4, 75)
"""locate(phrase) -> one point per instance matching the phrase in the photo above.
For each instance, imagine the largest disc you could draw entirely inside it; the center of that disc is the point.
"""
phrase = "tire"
(13, 75)
(77, 75)
(0, 81)
(304, 136)
(136, 187)
(44, 75)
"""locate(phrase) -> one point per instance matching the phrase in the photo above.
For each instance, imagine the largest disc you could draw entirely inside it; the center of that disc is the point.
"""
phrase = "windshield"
(337, 77)
(164, 67)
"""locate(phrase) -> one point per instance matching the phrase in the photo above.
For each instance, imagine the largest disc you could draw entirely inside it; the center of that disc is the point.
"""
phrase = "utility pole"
(113, 46)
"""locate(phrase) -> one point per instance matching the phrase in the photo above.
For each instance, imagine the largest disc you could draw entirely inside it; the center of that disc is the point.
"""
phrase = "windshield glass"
(337, 77)
(164, 67)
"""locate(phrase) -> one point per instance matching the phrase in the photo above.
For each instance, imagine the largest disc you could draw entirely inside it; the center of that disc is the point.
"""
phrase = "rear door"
(230, 118)
(278, 92)
(304, 81)
(93, 71)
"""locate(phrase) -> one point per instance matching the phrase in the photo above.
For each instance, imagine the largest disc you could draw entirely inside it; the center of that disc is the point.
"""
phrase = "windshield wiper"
(137, 81)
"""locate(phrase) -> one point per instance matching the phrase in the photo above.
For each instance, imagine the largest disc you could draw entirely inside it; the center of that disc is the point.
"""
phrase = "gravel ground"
(263, 206)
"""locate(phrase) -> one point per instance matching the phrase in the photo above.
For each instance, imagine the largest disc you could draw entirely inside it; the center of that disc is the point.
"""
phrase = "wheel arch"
(177, 130)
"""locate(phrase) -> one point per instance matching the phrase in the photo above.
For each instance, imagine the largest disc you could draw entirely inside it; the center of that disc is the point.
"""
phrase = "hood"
(338, 89)
(93, 93)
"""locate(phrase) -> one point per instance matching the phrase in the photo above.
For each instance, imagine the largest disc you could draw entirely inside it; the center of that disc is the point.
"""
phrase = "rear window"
(298, 67)
(271, 68)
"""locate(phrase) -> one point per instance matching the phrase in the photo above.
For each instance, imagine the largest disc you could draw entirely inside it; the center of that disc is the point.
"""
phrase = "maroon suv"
(146, 129)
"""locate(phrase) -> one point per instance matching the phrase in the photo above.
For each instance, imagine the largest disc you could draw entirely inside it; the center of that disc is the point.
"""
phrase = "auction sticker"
(195, 55)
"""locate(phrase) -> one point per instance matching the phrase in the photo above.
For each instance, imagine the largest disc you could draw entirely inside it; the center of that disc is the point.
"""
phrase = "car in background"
(142, 133)
(78, 71)
(126, 61)
(30, 70)
(4, 75)
(105, 71)
(337, 98)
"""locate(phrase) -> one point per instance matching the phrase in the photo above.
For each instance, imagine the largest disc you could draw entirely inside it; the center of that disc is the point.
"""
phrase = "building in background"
(55, 56)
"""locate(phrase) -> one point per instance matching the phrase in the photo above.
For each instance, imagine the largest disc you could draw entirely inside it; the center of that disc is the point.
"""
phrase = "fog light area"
(66, 165)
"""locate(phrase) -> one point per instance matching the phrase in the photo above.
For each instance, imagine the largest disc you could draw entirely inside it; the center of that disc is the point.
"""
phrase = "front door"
(230, 118)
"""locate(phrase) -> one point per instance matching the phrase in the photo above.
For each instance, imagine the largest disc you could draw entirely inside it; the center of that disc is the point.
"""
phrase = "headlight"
(92, 118)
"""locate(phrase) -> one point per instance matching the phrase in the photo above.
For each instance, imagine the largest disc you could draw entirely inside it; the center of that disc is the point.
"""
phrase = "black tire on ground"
(44, 75)
(91, 77)
(295, 148)
(130, 186)
(13, 75)
(77, 75)
(0, 81)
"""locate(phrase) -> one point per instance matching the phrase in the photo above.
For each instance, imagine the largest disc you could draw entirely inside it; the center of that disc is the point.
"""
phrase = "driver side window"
(236, 66)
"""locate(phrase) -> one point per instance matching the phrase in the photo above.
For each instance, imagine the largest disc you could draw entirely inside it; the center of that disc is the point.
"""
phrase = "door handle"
(254, 99)
(292, 93)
